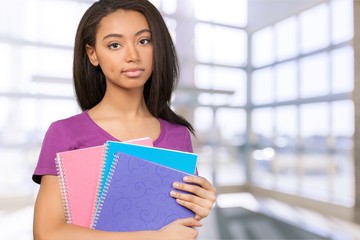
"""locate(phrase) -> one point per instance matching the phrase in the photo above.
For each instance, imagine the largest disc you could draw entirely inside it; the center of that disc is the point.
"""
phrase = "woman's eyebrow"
(118, 35)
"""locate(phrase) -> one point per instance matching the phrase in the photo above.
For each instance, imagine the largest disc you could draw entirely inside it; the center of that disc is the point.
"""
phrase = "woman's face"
(123, 49)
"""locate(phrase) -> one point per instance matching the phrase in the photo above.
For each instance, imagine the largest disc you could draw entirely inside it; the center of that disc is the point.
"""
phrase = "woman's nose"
(132, 54)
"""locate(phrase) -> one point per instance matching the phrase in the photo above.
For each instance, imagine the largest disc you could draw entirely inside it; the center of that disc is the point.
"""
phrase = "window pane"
(263, 154)
(343, 130)
(263, 86)
(343, 119)
(203, 119)
(171, 25)
(44, 21)
(314, 75)
(342, 71)
(314, 31)
(231, 12)
(222, 78)
(286, 81)
(263, 125)
(286, 35)
(156, 3)
(315, 160)
(263, 47)
(222, 45)
(169, 6)
(314, 124)
(285, 161)
(342, 20)
(231, 123)
(7, 67)
(286, 125)
(41, 72)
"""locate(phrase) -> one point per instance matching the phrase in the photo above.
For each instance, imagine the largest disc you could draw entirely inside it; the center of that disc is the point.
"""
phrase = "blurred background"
(268, 85)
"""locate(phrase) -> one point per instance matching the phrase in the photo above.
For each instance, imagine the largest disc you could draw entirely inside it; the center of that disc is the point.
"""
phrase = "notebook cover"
(79, 172)
(137, 196)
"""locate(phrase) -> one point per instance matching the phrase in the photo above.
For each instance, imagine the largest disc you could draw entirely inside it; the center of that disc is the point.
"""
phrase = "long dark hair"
(89, 81)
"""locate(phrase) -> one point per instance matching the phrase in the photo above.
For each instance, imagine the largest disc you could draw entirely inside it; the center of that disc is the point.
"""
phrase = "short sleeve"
(55, 141)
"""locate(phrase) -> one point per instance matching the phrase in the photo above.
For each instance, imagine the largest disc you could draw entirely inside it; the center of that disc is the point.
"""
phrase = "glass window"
(286, 81)
(203, 119)
(231, 12)
(231, 130)
(314, 28)
(223, 78)
(285, 161)
(37, 29)
(6, 62)
(222, 45)
(342, 71)
(262, 48)
(286, 35)
(314, 121)
(263, 126)
(171, 25)
(156, 3)
(286, 125)
(342, 21)
(343, 119)
(314, 75)
(263, 86)
(169, 6)
(44, 66)
(343, 166)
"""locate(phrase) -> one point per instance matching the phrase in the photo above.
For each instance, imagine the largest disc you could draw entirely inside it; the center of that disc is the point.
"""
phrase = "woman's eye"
(144, 41)
(114, 45)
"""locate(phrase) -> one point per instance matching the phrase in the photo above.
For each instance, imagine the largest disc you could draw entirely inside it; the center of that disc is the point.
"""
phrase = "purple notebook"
(137, 196)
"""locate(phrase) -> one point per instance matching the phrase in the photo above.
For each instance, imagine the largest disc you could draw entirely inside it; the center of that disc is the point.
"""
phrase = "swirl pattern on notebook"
(138, 197)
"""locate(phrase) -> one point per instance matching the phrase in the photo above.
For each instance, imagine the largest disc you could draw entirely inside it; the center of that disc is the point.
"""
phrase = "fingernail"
(173, 193)
(186, 179)
(176, 185)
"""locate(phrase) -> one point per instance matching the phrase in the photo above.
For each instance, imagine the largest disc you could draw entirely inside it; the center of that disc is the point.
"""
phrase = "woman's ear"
(92, 55)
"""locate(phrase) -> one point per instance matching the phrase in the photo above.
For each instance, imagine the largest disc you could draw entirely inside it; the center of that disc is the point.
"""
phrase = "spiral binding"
(63, 188)
(106, 186)
(99, 183)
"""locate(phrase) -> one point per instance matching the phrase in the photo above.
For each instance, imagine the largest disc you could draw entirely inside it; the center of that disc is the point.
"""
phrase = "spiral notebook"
(137, 196)
(80, 173)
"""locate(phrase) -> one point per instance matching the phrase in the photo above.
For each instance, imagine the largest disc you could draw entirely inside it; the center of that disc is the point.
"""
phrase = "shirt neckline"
(112, 138)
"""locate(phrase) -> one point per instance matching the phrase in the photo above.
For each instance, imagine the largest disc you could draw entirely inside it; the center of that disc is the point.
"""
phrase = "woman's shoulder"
(174, 136)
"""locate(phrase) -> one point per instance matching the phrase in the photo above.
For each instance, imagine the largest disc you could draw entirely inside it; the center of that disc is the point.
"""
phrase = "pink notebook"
(79, 174)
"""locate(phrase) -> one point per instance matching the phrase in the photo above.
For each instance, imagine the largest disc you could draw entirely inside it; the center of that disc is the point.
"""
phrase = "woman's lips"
(133, 72)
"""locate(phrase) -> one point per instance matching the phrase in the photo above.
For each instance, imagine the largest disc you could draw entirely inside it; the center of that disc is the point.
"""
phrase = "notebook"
(79, 174)
(137, 196)
(182, 161)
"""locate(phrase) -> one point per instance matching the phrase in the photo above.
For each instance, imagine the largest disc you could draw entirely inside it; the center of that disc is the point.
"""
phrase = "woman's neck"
(129, 105)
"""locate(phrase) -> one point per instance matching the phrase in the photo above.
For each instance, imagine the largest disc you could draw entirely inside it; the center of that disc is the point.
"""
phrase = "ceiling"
(263, 13)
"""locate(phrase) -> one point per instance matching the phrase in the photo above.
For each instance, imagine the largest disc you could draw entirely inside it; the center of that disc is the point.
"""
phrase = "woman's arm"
(50, 223)
(202, 199)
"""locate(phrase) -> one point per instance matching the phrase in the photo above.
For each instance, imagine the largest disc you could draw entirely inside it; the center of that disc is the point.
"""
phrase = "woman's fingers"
(202, 198)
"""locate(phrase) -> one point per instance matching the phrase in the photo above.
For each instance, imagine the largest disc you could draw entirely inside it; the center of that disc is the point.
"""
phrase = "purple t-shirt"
(80, 131)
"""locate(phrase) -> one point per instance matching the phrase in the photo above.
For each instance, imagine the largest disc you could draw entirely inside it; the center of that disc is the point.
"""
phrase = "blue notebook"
(137, 196)
(182, 161)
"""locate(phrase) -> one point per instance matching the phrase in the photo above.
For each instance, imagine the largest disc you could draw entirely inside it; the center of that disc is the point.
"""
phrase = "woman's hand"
(202, 199)
(180, 229)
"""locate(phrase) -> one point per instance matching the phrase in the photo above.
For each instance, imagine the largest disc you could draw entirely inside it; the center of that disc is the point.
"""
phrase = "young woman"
(125, 70)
